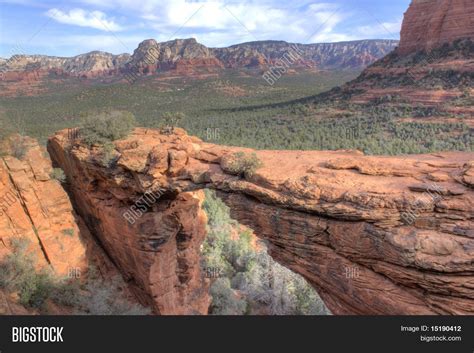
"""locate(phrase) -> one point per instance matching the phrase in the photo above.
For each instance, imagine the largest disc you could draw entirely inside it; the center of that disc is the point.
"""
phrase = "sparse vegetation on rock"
(18, 146)
(170, 120)
(242, 164)
(100, 128)
(69, 232)
(108, 155)
(58, 174)
(18, 274)
(102, 297)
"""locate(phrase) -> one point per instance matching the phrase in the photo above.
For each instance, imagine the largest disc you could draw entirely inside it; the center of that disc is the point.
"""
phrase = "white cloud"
(382, 29)
(219, 23)
(71, 45)
(266, 19)
(108, 43)
(222, 22)
(83, 18)
(214, 23)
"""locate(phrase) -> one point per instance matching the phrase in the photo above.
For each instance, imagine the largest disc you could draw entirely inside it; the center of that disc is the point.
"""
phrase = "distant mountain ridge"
(93, 62)
(152, 56)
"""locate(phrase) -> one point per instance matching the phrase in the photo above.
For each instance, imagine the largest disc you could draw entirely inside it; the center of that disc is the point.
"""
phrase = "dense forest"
(242, 110)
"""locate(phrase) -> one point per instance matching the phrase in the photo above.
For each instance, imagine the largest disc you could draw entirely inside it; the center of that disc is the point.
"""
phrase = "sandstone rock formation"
(433, 65)
(151, 56)
(374, 235)
(35, 206)
(324, 56)
(157, 252)
(431, 23)
(187, 55)
(89, 64)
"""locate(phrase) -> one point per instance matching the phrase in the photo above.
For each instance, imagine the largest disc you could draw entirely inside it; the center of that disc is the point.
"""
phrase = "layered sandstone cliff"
(151, 56)
(89, 64)
(374, 235)
(158, 252)
(35, 207)
(431, 23)
(433, 65)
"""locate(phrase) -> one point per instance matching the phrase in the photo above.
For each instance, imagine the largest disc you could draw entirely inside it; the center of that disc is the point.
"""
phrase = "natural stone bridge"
(373, 235)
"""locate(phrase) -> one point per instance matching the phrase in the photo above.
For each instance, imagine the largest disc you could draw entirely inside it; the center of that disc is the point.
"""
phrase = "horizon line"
(223, 47)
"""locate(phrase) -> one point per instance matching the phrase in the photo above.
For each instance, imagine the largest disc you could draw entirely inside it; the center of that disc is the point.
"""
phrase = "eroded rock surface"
(431, 23)
(157, 251)
(35, 206)
(33, 74)
(374, 235)
(433, 65)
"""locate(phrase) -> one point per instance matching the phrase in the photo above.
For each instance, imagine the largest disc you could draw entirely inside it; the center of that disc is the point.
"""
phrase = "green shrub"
(18, 274)
(69, 232)
(58, 174)
(37, 289)
(225, 300)
(18, 147)
(169, 121)
(243, 164)
(251, 281)
(15, 266)
(66, 292)
(98, 129)
(105, 298)
(109, 155)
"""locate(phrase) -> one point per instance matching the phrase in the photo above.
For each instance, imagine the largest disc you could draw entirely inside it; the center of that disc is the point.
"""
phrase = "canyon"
(337, 218)
(372, 234)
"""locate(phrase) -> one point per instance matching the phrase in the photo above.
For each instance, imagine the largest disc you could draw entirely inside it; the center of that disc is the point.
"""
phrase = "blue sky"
(67, 28)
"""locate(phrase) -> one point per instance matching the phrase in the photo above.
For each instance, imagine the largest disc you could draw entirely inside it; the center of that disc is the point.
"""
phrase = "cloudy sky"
(67, 28)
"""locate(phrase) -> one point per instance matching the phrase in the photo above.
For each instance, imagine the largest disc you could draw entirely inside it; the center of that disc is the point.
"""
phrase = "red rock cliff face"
(157, 252)
(436, 79)
(35, 206)
(430, 23)
(374, 235)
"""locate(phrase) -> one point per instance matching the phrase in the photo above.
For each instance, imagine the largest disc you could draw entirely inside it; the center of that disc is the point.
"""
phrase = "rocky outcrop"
(156, 249)
(433, 65)
(187, 55)
(25, 75)
(428, 24)
(35, 206)
(90, 64)
(356, 227)
(151, 56)
(324, 56)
